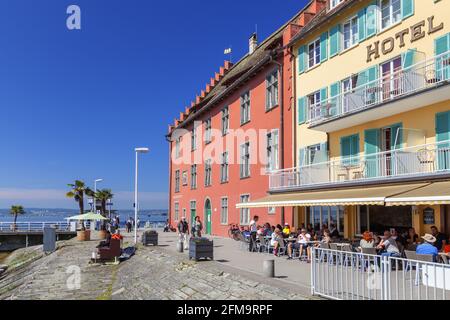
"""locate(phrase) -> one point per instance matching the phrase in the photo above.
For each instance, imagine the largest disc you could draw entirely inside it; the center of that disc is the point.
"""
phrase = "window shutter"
(443, 126)
(323, 152)
(335, 40)
(323, 95)
(441, 45)
(408, 58)
(354, 145)
(362, 25)
(345, 149)
(335, 89)
(371, 19)
(324, 47)
(372, 73)
(334, 99)
(301, 59)
(363, 78)
(302, 160)
(397, 136)
(407, 8)
(301, 110)
(371, 146)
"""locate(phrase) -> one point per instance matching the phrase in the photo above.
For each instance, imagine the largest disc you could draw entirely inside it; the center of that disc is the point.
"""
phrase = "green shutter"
(443, 134)
(301, 59)
(363, 78)
(442, 45)
(371, 148)
(302, 160)
(355, 149)
(362, 25)
(335, 40)
(345, 148)
(396, 132)
(324, 47)
(407, 8)
(408, 58)
(323, 152)
(371, 19)
(350, 149)
(334, 99)
(372, 73)
(301, 110)
(334, 89)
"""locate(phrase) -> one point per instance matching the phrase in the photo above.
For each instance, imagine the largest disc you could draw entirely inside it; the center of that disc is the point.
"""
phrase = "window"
(224, 211)
(311, 153)
(245, 160)
(377, 219)
(350, 32)
(185, 178)
(177, 211)
(392, 78)
(272, 90)
(208, 131)
(177, 181)
(178, 147)
(194, 139)
(318, 216)
(314, 53)
(225, 120)
(391, 12)
(245, 108)
(208, 170)
(224, 168)
(314, 105)
(334, 3)
(194, 176)
(272, 150)
(272, 210)
(245, 212)
(347, 86)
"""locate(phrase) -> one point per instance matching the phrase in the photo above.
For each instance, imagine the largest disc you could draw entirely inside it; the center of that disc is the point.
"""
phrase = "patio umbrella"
(88, 217)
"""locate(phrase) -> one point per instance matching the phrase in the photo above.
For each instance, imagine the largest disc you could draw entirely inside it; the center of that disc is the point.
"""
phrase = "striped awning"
(333, 197)
(436, 193)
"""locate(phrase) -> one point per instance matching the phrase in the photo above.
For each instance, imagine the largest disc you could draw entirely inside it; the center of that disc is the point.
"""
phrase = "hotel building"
(372, 127)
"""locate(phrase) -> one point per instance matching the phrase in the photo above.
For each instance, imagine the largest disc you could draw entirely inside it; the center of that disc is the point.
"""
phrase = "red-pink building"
(244, 122)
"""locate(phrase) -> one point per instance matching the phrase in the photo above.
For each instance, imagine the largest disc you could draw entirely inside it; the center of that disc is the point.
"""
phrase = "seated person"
(412, 237)
(286, 230)
(388, 246)
(428, 247)
(106, 242)
(367, 240)
(277, 241)
(302, 244)
(326, 237)
(334, 232)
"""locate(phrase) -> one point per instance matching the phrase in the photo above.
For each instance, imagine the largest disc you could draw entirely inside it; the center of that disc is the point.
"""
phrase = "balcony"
(417, 86)
(412, 162)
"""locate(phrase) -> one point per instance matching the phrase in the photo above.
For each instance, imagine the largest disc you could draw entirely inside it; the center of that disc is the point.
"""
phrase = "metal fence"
(32, 226)
(343, 275)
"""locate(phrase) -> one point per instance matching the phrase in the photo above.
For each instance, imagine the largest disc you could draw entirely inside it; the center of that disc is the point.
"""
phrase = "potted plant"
(79, 190)
(16, 210)
(103, 196)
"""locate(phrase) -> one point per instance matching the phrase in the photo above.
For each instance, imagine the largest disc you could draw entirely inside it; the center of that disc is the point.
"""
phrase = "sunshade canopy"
(432, 194)
(333, 197)
(88, 217)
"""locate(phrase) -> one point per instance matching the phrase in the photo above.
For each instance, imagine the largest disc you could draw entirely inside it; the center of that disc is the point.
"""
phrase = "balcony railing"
(422, 160)
(423, 75)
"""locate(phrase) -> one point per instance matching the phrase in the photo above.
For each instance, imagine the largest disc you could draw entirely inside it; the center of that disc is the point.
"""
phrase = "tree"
(16, 210)
(103, 196)
(79, 190)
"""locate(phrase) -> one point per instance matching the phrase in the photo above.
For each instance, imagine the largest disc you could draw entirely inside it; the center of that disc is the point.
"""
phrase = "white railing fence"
(32, 226)
(346, 275)
(423, 75)
(411, 161)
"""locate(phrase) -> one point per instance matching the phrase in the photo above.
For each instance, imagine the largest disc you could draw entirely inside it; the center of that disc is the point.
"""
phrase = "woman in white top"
(277, 241)
(367, 240)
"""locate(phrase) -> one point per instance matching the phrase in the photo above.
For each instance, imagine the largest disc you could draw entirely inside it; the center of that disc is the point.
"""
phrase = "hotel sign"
(416, 32)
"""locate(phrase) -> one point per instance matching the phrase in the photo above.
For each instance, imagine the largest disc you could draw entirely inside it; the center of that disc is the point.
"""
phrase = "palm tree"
(79, 190)
(103, 196)
(16, 210)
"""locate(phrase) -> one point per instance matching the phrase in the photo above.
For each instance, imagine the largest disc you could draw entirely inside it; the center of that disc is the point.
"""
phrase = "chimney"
(252, 43)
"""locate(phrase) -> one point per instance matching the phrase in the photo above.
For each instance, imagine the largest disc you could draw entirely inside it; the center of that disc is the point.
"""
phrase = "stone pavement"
(155, 273)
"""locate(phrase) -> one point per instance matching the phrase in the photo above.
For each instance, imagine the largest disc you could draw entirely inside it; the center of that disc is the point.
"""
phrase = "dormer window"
(335, 3)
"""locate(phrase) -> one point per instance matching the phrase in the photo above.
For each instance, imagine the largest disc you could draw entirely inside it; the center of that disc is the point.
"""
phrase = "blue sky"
(76, 103)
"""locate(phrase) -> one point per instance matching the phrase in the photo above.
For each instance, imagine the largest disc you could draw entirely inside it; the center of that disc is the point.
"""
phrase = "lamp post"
(137, 151)
(94, 203)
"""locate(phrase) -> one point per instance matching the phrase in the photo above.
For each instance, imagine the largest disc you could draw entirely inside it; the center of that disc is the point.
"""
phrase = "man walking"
(183, 232)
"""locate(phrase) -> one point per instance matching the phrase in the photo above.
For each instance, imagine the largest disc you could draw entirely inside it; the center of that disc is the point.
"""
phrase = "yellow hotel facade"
(372, 131)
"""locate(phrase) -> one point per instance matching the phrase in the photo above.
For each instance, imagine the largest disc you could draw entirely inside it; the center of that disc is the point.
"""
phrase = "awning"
(432, 194)
(332, 197)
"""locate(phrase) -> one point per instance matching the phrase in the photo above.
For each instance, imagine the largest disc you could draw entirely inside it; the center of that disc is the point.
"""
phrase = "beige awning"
(332, 197)
(432, 194)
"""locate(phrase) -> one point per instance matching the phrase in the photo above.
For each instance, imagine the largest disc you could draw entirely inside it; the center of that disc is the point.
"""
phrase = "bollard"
(180, 246)
(269, 268)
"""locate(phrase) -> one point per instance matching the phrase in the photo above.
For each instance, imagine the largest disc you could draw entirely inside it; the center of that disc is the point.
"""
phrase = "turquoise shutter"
(335, 89)
(372, 73)
(335, 40)
(408, 58)
(345, 149)
(363, 78)
(354, 149)
(301, 59)
(334, 99)
(397, 134)
(371, 147)
(407, 8)
(350, 149)
(301, 110)
(323, 152)
(442, 45)
(324, 47)
(442, 135)
(371, 19)
(302, 160)
(324, 100)
(362, 25)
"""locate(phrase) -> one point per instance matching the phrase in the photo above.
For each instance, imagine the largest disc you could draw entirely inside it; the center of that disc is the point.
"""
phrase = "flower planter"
(150, 238)
(201, 248)
(84, 235)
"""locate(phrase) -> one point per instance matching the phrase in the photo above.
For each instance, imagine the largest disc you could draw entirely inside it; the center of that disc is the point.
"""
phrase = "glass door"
(391, 78)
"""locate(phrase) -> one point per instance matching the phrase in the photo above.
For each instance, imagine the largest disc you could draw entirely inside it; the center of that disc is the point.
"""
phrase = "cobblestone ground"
(152, 274)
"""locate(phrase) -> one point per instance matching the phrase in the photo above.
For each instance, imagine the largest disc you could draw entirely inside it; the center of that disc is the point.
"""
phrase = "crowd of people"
(185, 232)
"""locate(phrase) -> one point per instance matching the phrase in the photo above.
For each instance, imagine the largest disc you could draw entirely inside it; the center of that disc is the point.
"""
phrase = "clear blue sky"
(76, 103)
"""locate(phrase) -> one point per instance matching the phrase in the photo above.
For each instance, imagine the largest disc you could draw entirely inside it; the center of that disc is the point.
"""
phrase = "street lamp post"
(137, 151)
(94, 202)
